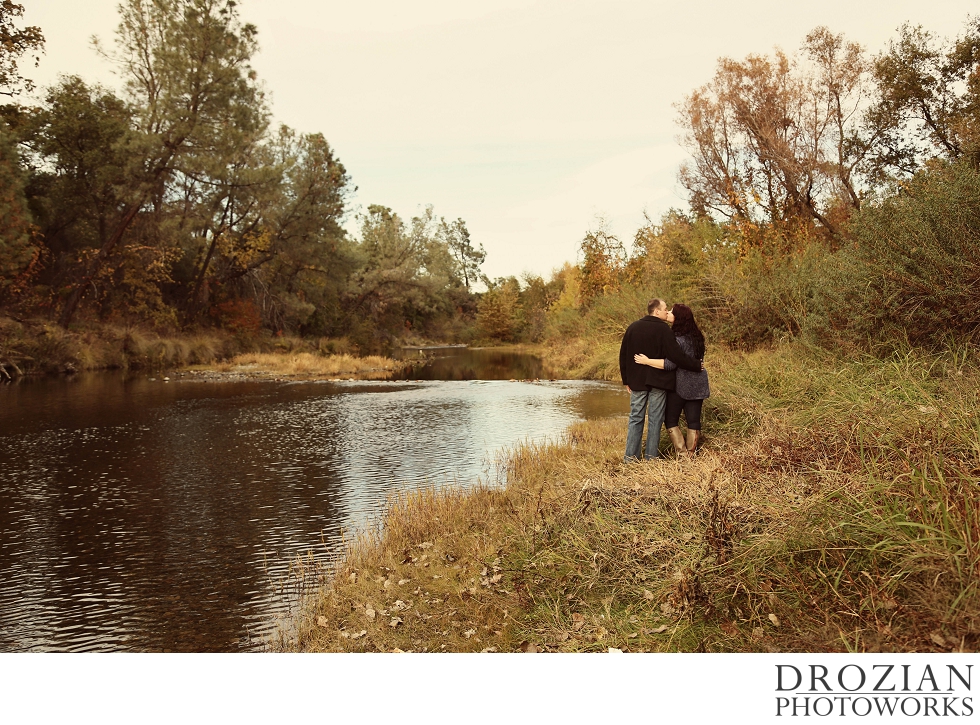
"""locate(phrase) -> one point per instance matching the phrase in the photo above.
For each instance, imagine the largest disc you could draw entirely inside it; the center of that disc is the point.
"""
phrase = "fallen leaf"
(484, 571)
(425, 545)
(578, 621)
(359, 634)
(369, 613)
(496, 578)
(758, 632)
(648, 595)
(398, 651)
(937, 638)
(352, 578)
(321, 621)
(395, 621)
(688, 536)
(614, 650)
(658, 630)
(469, 633)
(403, 582)
(387, 584)
(774, 619)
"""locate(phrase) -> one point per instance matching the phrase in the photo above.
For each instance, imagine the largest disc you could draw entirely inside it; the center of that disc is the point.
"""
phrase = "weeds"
(831, 510)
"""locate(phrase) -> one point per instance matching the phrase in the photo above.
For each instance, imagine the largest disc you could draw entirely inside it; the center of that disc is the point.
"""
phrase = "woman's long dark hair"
(684, 324)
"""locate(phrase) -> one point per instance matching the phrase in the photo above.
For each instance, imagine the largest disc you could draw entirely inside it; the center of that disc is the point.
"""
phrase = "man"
(648, 386)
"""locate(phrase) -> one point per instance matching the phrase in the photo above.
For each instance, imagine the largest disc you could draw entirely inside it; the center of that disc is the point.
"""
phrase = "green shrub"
(917, 258)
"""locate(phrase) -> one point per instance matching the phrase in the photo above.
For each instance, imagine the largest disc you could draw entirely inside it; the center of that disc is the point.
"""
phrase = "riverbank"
(37, 347)
(833, 508)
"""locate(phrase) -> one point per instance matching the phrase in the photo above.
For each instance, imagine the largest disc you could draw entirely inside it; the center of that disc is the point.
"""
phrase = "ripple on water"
(144, 519)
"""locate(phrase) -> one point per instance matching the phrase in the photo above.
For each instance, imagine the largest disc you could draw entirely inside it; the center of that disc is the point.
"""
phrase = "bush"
(917, 258)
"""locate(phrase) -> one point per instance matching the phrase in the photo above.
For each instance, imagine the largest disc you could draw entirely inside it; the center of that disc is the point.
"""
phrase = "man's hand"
(629, 390)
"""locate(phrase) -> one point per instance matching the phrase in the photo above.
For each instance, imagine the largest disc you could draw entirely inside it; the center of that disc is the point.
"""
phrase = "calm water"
(144, 515)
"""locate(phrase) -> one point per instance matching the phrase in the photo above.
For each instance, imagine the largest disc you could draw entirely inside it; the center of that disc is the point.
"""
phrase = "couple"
(664, 375)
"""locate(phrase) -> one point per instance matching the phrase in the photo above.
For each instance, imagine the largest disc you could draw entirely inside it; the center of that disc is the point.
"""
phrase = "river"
(140, 514)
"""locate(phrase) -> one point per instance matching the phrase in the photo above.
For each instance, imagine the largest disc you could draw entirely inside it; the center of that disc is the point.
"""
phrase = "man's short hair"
(654, 304)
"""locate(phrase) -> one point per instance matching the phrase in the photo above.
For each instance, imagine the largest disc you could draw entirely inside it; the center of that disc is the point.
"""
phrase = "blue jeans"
(645, 403)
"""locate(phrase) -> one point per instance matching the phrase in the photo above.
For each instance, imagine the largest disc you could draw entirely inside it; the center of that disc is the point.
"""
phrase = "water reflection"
(149, 516)
(448, 363)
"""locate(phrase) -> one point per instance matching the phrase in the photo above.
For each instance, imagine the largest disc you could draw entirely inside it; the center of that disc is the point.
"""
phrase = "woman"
(691, 388)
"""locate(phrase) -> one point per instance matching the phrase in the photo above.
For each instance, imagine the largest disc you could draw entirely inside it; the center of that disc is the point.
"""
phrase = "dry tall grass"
(40, 346)
(306, 365)
(833, 508)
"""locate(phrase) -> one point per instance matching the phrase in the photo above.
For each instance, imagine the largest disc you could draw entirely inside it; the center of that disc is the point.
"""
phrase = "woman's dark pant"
(691, 408)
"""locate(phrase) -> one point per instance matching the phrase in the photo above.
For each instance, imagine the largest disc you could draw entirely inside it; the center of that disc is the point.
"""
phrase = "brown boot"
(692, 440)
(677, 438)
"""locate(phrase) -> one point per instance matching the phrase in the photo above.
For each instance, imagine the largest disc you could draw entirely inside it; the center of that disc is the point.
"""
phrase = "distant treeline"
(833, 194)
(179, 206)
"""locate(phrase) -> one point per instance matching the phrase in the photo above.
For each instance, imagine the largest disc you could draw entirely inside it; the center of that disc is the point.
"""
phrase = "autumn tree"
(499, 316)
(779, 139)
(603, 264)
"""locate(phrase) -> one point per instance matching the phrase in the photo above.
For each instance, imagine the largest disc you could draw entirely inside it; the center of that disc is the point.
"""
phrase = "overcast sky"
(527, 118)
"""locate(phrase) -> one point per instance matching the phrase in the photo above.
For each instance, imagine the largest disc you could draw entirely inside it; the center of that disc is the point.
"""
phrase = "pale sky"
(527, 118)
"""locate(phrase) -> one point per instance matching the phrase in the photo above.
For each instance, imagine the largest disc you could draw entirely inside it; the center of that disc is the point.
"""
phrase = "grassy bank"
(305, 365)
(834, 508)
(30, 347)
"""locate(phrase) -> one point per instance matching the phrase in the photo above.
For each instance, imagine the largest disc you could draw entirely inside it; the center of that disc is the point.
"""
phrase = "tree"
(17, 248)
(308, 257)
(14, 43)
(468, 258)
(499, 314)
(603, 264)
(928, 100)
(79, 171)
(778, 140)
(188, 79)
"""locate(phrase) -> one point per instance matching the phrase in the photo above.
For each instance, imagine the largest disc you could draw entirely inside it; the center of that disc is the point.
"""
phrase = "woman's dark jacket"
(690, 386)
(654, 338)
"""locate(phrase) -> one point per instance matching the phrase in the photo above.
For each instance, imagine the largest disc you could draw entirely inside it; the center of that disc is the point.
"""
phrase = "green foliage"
(928, 100)
(176, 205)
(916, 265)
(17, 248)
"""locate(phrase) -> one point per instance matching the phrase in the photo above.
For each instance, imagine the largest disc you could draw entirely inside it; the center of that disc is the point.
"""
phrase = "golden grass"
(305, 364)
(830, 510)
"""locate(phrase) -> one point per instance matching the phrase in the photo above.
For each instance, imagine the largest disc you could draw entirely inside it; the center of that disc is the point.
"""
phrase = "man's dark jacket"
(654, 338)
